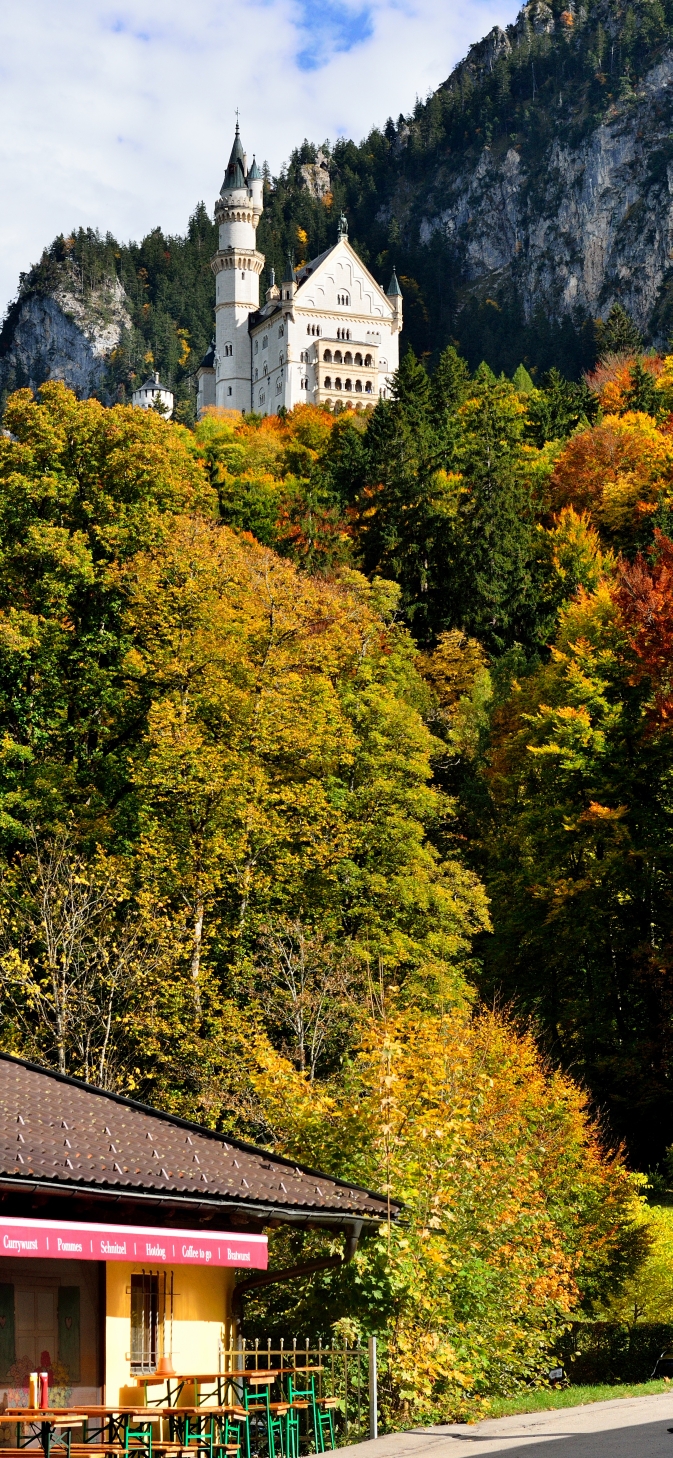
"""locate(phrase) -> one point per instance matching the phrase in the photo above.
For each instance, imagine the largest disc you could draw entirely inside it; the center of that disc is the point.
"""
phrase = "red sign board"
(69, 1240)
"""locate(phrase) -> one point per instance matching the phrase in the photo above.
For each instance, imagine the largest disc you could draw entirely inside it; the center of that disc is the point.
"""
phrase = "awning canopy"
(69, 1240)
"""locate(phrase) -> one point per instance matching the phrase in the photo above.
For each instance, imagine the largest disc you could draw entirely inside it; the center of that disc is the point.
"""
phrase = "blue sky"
(120, 115)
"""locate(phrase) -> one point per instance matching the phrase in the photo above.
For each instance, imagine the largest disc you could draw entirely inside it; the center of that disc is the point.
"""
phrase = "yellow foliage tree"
(511, 1209)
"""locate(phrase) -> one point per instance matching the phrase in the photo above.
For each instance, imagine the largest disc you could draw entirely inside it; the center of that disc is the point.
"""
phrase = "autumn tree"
(508, 1195)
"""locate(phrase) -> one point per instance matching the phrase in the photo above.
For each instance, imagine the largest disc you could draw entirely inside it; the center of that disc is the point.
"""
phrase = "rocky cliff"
(98, 314)
(588, 222)
(66, 334)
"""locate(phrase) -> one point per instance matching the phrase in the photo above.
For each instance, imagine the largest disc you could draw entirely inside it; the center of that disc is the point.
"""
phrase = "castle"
(326, 335)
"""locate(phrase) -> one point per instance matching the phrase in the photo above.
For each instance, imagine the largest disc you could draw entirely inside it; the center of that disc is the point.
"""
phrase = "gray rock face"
(593, 224)
(65, 337)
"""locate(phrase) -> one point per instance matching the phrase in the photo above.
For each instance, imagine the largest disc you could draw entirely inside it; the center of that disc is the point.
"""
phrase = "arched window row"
(358, 388)
(343, 299)
(228, 351)
(348, 359)
(313, 329)
(233, 215)
(343, 334)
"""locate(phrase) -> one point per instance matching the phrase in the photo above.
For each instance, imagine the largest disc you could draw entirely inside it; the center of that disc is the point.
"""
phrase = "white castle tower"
(237, 266)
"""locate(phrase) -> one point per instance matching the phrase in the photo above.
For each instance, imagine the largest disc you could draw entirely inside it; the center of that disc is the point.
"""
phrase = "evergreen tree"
(618, 334)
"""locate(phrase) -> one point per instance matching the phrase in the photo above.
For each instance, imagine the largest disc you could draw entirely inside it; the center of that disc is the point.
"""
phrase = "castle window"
(328, 382)
(256, 345)
(266, 369)
(348, 358)
(229, 390)
(265, 342)
(281, 331)
(337, 383)
(383, 363)
(327, 356)
(348, 334)
(368, 387)
(242, 275)
(368, 361)
(358, 386)
(318, 330)
(308, 329)
(281, 358)
(348, 385)
(304, 384)
(337, 356)
(358, 359)
(343, 299)
(279, 386)
(256, 374)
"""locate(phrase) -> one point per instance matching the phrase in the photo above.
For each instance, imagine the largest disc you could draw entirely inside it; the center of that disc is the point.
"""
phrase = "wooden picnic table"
(179, 1380)
(47, 1418)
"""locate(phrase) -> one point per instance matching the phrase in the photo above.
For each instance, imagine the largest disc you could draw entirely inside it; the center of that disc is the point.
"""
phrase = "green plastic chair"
(319, 1411)
(274, 1422)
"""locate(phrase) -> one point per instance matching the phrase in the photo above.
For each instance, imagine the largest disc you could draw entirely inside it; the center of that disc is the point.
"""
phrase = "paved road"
(633, 1427)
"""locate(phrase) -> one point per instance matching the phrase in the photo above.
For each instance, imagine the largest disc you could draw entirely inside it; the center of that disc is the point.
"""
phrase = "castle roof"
(153, 383)
(254, 173)
(308, 268)
(393, 290)
(234, 176)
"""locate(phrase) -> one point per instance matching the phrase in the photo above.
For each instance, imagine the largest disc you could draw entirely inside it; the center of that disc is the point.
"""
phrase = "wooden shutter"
(68, 1330)
(7, 1349)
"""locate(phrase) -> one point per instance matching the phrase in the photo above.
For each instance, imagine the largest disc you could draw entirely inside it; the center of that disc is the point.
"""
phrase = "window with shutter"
(68, 1331)
(7, 1344)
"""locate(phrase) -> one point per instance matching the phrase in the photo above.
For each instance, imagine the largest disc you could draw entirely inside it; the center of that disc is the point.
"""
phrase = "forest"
(335, 812)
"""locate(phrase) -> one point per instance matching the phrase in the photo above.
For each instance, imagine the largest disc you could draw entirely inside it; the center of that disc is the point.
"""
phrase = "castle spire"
(234, 176)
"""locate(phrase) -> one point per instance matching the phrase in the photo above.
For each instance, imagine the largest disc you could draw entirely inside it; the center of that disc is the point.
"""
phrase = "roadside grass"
(569, 1397)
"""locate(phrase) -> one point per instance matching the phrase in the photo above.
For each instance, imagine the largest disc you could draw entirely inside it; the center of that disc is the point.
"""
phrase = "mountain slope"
(527, 194)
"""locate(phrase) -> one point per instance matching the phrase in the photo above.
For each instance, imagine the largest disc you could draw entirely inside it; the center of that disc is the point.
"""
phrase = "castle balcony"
(344, 373)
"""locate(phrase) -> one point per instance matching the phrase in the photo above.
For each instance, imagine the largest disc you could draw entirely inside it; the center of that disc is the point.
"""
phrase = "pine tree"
(618, 334)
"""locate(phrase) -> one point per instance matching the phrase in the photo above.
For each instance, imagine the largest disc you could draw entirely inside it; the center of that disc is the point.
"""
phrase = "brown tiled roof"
(71, 1135)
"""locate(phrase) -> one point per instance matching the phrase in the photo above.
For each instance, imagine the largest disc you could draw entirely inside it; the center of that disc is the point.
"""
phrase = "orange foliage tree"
(618, 471)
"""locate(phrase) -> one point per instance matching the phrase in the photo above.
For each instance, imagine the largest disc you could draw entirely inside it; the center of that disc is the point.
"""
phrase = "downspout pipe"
(305, 1268)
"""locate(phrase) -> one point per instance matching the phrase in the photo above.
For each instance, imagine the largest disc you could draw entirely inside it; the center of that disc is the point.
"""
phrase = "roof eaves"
(188, 1124)
(315, 1214)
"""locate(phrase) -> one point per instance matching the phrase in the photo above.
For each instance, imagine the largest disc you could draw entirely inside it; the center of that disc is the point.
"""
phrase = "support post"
(373, 1391)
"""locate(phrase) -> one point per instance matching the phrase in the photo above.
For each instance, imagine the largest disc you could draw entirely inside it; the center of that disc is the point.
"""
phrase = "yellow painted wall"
(201, 1306)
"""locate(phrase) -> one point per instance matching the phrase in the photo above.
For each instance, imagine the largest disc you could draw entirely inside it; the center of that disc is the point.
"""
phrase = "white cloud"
(120, 115)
